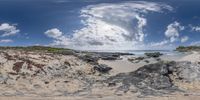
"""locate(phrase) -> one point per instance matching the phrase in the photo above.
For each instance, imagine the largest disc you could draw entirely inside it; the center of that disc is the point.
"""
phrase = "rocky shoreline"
(52, 72)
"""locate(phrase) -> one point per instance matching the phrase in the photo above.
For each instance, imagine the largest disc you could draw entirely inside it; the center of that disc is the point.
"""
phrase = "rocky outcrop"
(154, 54)
(159, 78)
(89, 58)
(50, 74)
(150, 79)
(136, 59)
(102, 68)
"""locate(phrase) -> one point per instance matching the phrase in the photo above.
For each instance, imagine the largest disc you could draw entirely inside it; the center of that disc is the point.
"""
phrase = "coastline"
(88, 75)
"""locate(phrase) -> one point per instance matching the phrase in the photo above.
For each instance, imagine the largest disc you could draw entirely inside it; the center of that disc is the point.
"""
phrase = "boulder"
(89, 58)
(102, 68)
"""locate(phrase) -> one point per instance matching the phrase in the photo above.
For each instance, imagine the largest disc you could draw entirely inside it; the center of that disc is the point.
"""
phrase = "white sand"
(124, 66)
(194, 57)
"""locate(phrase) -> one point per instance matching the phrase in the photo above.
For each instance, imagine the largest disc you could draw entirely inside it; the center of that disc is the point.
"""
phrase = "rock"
(188, 71)
(111, 84)
(109, 56)
(154, 54)
(93, 59)
(147, 61)
(17, 66)
(3, 79)
(149, 79)
(102, 68)
(136, 59)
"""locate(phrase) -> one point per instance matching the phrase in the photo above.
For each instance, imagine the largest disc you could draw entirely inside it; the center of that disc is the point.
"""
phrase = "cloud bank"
(6, 41)
(111, 26)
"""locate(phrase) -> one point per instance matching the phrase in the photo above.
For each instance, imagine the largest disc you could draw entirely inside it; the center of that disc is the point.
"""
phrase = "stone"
(154, 54)
(102, 68)
(89, 58)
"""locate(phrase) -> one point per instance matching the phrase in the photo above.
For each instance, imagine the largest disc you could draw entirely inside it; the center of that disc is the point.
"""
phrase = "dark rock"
(109, 56)
(102, 68)
(158, 59)
(136, 60)
(139, 58)
(93, 59)
(67, 63)
(149, 79)
(17, 66)
(46, 82)
(154, 54)
(111, 84)
(147, 61)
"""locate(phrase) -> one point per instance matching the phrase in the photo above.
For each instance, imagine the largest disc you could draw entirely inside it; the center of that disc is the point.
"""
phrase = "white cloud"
(8, 29)
(173, 30)
(6, 41)
(58, 36)
(196, 43)
(162, 43)
(112, 26)
(195, 28)
(184, 39)
(53, 33)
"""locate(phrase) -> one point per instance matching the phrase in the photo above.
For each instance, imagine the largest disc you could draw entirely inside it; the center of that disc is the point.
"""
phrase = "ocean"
(141, 52)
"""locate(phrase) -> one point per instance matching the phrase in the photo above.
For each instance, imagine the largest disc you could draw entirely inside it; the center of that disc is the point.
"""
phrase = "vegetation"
(41, 49)
(189, 48)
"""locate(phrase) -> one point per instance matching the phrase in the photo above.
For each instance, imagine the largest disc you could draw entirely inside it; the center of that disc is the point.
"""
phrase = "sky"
(100, 24)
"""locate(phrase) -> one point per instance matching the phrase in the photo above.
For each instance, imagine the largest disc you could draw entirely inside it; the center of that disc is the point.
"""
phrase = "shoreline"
(96, 75)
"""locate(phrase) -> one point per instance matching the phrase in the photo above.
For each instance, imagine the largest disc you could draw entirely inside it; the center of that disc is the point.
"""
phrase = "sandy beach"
(47, 76)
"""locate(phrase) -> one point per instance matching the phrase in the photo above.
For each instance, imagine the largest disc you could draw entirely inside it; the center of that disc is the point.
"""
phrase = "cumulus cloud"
(6, 41)
(173, 30)
(8, 29)
(113, 26)
(53, 33)
(184, 39)
(58, 36)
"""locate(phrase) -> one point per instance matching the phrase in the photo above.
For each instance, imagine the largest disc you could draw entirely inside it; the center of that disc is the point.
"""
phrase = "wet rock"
(154, 54)
(102, 68)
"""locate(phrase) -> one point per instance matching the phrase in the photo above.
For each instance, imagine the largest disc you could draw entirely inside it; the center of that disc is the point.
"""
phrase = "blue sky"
(100, 24)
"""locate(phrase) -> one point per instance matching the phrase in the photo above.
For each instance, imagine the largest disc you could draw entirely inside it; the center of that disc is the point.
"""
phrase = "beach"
(36, 75)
